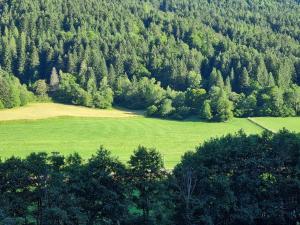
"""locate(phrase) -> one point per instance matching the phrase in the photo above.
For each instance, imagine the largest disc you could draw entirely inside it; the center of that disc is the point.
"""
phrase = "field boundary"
(252, 120)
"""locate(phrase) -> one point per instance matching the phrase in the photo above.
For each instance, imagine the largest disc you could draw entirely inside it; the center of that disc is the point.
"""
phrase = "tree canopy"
(235, 179)
(116, 49)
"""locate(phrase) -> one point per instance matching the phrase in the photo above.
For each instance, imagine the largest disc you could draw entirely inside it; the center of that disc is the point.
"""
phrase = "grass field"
(84, 130)
(47, 110)
(120, 134)
(276, 124)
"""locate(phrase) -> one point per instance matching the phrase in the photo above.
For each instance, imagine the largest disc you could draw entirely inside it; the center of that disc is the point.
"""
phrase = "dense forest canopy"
(236, 179)
(211, 58)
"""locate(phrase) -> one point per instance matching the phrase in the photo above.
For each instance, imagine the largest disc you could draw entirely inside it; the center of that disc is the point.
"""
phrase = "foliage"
(209, 181)
(12, 93)
(144, 49)
(204, 188)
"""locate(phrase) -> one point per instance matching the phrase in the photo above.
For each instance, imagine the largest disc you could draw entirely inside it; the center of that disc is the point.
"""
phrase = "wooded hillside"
(214, 59)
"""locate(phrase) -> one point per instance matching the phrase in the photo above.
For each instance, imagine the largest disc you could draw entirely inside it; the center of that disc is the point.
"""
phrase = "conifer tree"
(6, 55)
(219, 80)
(82, 76)
(21, 60)
(216, 79)
(228, 87)
(91, 85)
(103, 67)
(244, 80)
(271, 81)
(54, 80)
(111, 75)
(206, 111)
(104, 97)
(72, 62)
(262, 73)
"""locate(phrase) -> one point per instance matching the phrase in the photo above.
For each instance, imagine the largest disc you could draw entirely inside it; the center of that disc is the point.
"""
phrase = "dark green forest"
(233, 180)
(173, 58)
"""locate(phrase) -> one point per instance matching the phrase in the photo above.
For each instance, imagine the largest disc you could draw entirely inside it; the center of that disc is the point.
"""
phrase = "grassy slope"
(47, 110)
(120, 135)
(275, 124)
(119, 131)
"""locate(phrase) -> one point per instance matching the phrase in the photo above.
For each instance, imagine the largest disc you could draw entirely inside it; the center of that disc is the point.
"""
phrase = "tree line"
(154, 54)
(235, 179)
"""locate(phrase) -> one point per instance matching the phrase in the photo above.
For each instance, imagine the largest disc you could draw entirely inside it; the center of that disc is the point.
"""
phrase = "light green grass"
(276, 124)
(119, 135)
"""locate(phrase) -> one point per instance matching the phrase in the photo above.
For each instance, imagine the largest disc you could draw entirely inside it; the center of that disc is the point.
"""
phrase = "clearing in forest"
(79, 129)
(48, 110)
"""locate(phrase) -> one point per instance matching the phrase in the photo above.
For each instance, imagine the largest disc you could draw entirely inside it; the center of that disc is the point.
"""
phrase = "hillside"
(36, 111)
(54, 127)
(67, 129)
(214, 59)
(149, 112)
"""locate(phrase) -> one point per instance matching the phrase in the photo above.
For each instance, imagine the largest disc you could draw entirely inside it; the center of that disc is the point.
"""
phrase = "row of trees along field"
(175, 58)
(236, 179)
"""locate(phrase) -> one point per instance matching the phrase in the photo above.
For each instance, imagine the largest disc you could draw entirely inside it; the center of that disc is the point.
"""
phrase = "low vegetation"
(120, 135)
(80, 129)
(236, 179)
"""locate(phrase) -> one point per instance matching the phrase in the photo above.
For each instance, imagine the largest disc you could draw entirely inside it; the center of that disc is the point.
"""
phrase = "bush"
(12, 93)
(151, 110)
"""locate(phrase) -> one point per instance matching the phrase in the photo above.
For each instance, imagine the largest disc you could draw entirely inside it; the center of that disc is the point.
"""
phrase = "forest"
(201, 61)
(213, 59)
(204, 188)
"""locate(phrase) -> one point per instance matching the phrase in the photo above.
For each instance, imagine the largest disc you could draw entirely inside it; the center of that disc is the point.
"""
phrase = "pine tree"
(91, 85)
(111, 75)
(104, 97)
(13, 46)
(271, 81)
(220, 81)
(221, 106)
(232, 75)
(206, 111)
(34, 63)
(228, 87)
(285, 74)
(83, 73)
(262, 73)
(6, 55)
(21, 60)
(244, 80)
(165, 6)
(72, 62)
(103, 67)
(54, 80)
(34, 59)
(224, 108)
(119, 65)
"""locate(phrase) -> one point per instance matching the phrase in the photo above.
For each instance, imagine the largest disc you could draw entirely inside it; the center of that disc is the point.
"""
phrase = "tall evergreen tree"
(262, 73)
(21, 54)
(54, 80)
(244, 79)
